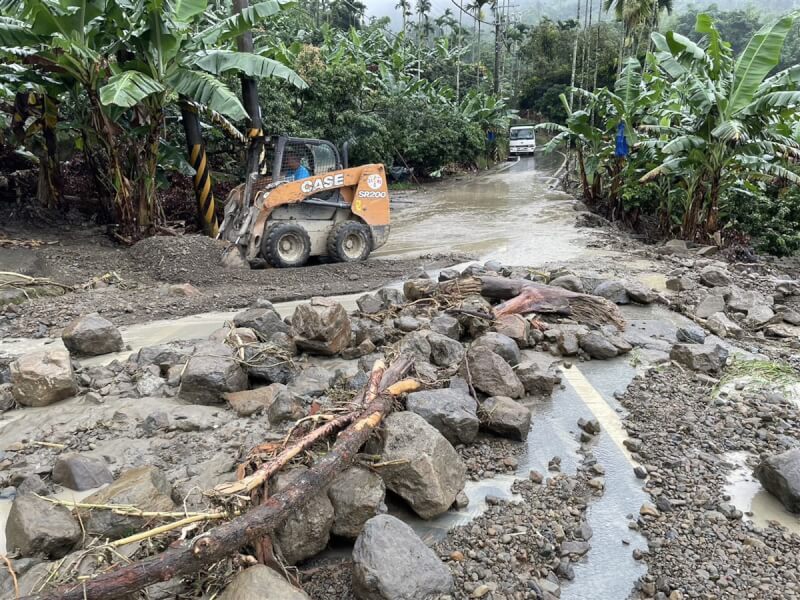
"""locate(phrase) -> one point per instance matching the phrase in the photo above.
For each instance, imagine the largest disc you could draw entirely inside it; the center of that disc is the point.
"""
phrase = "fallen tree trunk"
(220, 542)
(523, 296)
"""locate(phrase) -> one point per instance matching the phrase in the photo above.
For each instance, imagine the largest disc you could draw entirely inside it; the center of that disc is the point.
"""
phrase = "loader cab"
(317, 156)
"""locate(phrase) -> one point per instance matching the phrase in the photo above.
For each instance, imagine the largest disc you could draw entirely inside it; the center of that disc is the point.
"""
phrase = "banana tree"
(731, 122)
(128, 59)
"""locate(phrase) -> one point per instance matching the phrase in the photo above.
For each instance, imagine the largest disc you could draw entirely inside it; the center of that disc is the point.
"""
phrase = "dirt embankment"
(145, 282)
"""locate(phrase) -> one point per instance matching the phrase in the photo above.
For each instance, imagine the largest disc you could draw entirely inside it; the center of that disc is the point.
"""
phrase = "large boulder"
(322, 326)
(356, 495)
(421, 466)
(81, 472)
(500, 344)
(516, 327)
(265, 321)
(259, 582)
(569, 282)
(596, 345)
(445, 351)
(505, 417)
(537, 381)
(452, 412)
(640, 293)
(713, 276)
(446, 325)
(92, 335)
(145, 488)
(710, 305)
(780, 476)
(706, 358)
(268, 362)
(759, 315)
(249, 402)
(307, 530)
(210, 373)
(616, 291)
(492, 375)
(42, 378)
(719, 324)
(416, 289)
(313, 381)
(390, 562)
(36, 526)
(165, 356)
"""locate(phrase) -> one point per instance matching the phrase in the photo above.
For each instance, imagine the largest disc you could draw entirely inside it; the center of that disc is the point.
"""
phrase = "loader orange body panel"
(364, 188)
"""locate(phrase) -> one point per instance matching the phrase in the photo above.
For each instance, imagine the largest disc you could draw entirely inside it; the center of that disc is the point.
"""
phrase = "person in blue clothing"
(296, 169)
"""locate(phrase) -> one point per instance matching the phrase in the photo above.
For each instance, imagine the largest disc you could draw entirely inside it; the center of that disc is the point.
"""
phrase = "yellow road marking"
(609, 419)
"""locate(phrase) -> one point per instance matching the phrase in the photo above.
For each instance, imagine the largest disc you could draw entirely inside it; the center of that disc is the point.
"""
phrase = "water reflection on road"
(512, 216)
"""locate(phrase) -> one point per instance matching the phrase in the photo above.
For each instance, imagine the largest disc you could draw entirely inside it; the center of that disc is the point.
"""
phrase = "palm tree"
(405, 10)
(639, 18)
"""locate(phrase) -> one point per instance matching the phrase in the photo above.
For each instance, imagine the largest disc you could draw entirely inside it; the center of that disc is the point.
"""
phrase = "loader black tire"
(286, 245)
(349, 241)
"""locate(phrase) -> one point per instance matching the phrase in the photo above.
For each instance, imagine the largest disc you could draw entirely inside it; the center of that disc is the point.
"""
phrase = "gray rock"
(249, 402)
(791, 316)
(516, 327)
(265, 321)
(416, 344)
(416, 289)
(691, 334)
(759, 315)
(81, 472)
(451, 411)
(639, 293)
(407, 324)
(424, 469)
(446, 325)
(780, 476)
(743, 300)
(322, 326)
(32, 484)
(211, 372)
(715, 276)
(390, 297)
(505, 417)
(92, 335)
(42, 378)
(709, 305)
(143, 487)
(21, 567)
(36, 526)
(449, 275)
(597, 346)
(390, 562)
(492, 375)
(719, 324)
(445, 351)
(285, 407)
(500, 344)
(356, 495)
(613, 290)
(471, 325)
(150, 385)
(267, 366)
(680, 284)
(164, 356)
(572, 283)
(313, 381)
(536, 381)
(259, 582)
(307, 530)
(369, 304)
(706, 358)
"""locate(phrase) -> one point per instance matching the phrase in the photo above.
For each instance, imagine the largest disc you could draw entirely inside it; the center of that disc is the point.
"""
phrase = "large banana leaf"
(730, 131)
(206, 89)
(762, 54)
(14, 33)
(183, 10)
(235, 25)
(628, 86)
(128, 88)
(221, 61)
(773, 100)
(683, 144)
(717, 49)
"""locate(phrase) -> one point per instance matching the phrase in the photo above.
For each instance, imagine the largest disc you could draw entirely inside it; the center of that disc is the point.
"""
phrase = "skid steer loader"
(338, 212)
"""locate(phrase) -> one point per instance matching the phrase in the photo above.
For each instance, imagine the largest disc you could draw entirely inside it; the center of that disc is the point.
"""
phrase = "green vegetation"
(713, 137)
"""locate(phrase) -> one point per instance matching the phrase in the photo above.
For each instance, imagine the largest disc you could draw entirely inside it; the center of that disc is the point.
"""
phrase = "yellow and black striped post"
(202, 176)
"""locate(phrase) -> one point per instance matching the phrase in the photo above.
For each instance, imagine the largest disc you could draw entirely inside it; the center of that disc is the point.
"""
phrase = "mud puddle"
(512, 216)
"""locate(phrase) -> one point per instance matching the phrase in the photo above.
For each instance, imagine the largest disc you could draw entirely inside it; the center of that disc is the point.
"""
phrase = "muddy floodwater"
(514, 216)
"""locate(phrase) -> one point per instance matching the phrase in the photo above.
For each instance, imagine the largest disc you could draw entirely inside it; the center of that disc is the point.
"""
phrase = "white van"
(522, 139)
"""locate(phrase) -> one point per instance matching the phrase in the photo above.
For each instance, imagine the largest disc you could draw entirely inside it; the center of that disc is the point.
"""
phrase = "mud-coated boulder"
(357, 495)
(42, 378)
(720, 324)
(36, 526)
(92, 335)
(421, 466)
(572, 283)
(307, 530)
(210, 373)
(451, 411)
(780, 476)
(390, 562)
(417, 289)
(597, 345)
(709, 305)
(165, 356)
(615, 291)
(706, 358)
(445, 351)
(446, 325)
(145, 488)
(505, 417)
(265, 321)
(715, 276)
(502, 345)
(248, 402)
(416, 344)
(537, 381)
(516, 327)
(322, 327)
(259, 582)
(81, 472)
(492, 375)
(640, 293)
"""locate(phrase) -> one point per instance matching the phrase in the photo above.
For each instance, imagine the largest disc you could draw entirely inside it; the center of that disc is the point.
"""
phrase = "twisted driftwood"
(185, 557)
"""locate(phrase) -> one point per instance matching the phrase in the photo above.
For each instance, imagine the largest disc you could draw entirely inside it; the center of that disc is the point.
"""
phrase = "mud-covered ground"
(145, 282)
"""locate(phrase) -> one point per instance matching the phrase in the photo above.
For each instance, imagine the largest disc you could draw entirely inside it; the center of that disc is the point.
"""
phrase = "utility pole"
(459, 38)
(497, 42)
